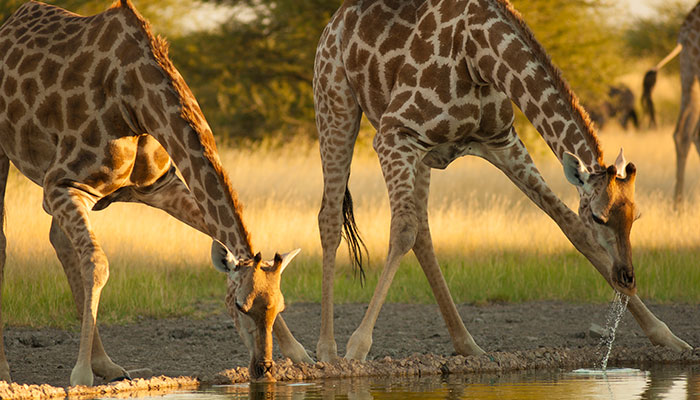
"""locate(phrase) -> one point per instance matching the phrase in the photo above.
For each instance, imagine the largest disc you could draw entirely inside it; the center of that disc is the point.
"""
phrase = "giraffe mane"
(579, 112)
(190, 111)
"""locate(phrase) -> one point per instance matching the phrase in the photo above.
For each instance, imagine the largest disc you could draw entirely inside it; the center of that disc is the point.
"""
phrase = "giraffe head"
(257, 297)
(607, 208)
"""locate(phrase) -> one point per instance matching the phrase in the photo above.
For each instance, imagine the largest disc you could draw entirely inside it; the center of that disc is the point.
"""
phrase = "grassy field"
(493, 243)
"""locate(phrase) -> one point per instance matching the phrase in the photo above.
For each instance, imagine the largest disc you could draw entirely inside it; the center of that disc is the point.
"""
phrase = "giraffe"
(93, 111)
(436, 79)
(687, 130)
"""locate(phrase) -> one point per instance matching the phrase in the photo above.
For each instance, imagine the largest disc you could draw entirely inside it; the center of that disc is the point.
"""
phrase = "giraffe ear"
(621, 165)
(221, 257)
(281, 261)
(574, 170)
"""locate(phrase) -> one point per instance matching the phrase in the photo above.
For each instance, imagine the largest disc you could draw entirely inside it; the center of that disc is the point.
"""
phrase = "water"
(615, 383)
(615, 313)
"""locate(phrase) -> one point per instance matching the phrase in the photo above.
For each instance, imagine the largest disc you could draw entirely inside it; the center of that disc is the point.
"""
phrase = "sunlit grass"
(493, 243)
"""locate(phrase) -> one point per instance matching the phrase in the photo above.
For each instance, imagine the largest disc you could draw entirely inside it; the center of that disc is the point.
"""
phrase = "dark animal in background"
(619, 105)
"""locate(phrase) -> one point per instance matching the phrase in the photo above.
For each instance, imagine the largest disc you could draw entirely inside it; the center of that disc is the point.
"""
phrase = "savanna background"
(249, 63)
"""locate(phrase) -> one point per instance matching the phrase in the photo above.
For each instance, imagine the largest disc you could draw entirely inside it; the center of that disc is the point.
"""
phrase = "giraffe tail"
(352, 237)
(647, 102)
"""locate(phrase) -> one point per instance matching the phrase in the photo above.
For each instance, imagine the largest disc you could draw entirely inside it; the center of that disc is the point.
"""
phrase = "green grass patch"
(40, 296)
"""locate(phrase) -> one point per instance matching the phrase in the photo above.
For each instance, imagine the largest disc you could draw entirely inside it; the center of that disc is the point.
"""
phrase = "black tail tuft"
(352, 237)
(647, 102)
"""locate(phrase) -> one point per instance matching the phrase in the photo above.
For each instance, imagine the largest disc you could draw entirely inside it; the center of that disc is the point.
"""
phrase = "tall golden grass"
(493, 242)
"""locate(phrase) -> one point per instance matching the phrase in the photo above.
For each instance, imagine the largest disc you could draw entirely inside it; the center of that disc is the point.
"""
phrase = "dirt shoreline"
(409, 339)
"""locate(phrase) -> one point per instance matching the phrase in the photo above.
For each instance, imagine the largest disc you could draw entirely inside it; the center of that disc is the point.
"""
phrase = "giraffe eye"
(597, 219)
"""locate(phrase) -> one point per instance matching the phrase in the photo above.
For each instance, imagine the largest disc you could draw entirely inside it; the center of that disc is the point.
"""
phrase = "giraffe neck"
(169, 112)
(501, 50)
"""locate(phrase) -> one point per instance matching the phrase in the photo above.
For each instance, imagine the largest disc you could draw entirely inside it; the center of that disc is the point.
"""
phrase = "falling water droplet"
(615, 313)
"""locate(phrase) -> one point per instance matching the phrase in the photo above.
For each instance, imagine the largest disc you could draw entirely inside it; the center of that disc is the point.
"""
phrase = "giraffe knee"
(404, 230)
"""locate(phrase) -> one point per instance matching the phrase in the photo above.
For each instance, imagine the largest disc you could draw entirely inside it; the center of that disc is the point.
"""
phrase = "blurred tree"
(168, 17)
(253, 76)
(655, 36)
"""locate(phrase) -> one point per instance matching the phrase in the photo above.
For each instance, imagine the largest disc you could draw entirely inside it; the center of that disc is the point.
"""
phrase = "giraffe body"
(93, 111)
(687, 130)
(436, 79)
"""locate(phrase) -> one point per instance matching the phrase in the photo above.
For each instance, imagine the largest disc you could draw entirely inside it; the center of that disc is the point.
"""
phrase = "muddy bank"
(409, 339)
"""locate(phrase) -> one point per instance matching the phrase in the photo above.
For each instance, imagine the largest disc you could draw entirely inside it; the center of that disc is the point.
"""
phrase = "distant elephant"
(618, 104)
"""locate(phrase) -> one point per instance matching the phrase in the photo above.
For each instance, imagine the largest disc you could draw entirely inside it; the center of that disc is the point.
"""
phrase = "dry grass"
(484, 229)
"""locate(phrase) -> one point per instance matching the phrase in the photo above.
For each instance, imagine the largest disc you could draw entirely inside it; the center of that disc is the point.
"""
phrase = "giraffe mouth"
(263, 372)
(624, 280)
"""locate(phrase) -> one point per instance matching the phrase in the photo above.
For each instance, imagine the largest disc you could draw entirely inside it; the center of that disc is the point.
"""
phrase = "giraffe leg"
(4, 168)
(102, 365)
(171, 195)
(682, 137)
(463, 342)
(338, 120)
(516, 163)
(655, 329)
(399, 169)
(69, 208)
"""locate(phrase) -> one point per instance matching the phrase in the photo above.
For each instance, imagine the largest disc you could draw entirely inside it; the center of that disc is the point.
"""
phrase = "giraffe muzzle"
(263, 371)
(624, 280)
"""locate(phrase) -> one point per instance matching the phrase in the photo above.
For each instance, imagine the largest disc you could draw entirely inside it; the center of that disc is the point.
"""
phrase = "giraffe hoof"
(121, 378)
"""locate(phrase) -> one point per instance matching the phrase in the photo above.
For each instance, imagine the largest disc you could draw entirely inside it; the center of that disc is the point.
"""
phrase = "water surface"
(618, 383)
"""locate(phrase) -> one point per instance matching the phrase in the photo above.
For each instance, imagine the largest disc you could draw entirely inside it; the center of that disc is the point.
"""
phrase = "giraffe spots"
(357, 58)
(74, 75)
(99, 94)
(113, 121)
(391, 67)
(94, 31)
(50, 112)
(516, 55)
(132, 84)
(149, 122)
(30, 90)
(110, 35)
(396, 39)
(15, 111)
(91, 134)
(10, 86)
(29, 63)
(66, 48)
(213, 187)
(517, 90)
(13, 58)
(151, 74)
(49, 73)
(82, 160)
(128, 52)
(445, 42)
(439, 133)
(161, 158)
(537, 83)
(225, 217)
(4, 47)
(76, 111)
(373, 22)
(486, 64)
(427, 26)
(67, 146)
(421, 110)
(420, 50)
(435, 77)
(38, 150)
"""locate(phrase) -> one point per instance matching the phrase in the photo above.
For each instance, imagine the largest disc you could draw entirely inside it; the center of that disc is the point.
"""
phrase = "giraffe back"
(68, 85)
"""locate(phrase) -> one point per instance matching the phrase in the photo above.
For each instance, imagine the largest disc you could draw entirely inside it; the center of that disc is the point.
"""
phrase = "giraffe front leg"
(68, 206)
(102, 365)
(656, 330)
(290, 347)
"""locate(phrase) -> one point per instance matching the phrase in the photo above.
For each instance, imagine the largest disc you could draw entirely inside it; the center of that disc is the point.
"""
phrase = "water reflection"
(656, 383)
